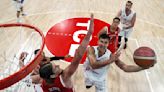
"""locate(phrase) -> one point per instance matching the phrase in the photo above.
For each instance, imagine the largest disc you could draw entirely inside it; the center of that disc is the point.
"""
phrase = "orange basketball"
(144, 57)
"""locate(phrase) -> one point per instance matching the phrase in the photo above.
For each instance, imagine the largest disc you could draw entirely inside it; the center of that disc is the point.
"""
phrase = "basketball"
(144, 57)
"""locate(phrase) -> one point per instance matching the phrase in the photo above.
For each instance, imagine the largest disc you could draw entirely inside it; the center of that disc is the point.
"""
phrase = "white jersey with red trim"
(100, 73)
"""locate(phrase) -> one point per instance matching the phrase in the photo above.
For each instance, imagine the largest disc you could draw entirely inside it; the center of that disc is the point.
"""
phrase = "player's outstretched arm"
(128, 68)
(68, 72)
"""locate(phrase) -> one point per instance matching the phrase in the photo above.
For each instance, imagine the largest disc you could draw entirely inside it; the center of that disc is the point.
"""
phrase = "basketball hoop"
(17, 38)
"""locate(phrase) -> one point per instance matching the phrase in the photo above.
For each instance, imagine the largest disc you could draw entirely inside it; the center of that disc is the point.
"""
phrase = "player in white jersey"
(97, 63)
(19, 7)
(128, 18)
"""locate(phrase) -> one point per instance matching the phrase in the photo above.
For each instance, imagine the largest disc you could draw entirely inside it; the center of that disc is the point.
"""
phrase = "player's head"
(37, 50)
(103, 41)
(129, 5)
(49, 71)
(116, 22)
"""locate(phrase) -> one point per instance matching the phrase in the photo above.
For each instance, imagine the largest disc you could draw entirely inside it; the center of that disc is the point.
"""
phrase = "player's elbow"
(93, 66)
(132, 25)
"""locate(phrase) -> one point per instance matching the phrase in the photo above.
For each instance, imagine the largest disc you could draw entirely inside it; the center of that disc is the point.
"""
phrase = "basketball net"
(18, 38)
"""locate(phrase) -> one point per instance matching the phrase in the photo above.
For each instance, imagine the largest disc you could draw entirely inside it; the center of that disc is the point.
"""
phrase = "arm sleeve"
(56, 58)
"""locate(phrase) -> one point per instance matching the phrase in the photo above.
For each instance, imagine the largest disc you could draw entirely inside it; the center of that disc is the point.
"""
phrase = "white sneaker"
(19, 20)
(24, 14)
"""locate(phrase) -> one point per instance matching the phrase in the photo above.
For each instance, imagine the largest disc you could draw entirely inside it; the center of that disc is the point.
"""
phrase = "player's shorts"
(100, 86)
(125, 32)
(22, 1)
(18, 5)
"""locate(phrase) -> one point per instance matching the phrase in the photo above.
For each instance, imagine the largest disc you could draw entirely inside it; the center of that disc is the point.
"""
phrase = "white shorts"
(18, 5)
(125, 32)
(100, 86)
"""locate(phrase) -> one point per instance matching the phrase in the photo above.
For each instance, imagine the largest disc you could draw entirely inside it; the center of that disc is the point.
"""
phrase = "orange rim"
(23, 72)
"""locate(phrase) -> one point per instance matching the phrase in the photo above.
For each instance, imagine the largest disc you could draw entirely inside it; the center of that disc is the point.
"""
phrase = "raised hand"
(114, 57)
(23, 56)
(91, 25)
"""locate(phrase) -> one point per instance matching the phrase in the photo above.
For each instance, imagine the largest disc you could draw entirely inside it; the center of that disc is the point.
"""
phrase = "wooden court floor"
(148, 31)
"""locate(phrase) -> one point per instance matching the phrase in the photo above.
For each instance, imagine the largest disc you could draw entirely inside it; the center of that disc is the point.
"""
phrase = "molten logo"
(64, 37)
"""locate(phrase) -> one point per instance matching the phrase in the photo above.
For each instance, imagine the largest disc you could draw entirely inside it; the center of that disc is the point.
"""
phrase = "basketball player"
(128, 18)
(35, 72)
(97, 63)
(56, 79)
(19, 7)
(112, 31)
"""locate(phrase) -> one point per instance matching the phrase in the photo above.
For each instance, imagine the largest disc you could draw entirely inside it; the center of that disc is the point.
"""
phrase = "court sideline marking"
(146, 72)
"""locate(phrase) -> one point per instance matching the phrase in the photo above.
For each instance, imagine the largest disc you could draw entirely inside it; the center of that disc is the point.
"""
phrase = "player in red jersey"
(55, 79)
(112, 31)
